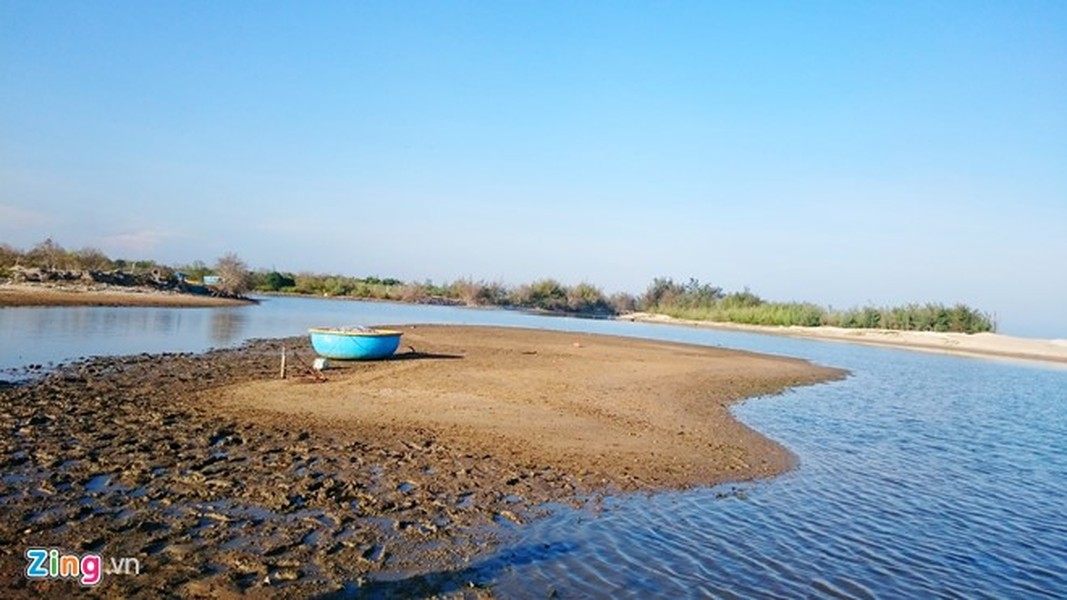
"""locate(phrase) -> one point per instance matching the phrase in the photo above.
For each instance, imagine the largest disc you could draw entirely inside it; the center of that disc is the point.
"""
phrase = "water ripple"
(916, 480)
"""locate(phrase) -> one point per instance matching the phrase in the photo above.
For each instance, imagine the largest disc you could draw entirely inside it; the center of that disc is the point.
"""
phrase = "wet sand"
(222, 479)
(987, 345)
(41, 295)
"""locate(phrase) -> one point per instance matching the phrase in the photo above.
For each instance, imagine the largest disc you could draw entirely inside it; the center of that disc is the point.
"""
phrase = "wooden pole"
(281, 373)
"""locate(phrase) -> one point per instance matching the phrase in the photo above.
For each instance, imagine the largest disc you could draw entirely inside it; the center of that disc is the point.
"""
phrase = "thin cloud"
(289, 225)
(140, 243)
(14, 218)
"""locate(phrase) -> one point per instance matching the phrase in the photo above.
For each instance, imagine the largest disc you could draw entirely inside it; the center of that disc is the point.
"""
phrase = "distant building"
(212, 280)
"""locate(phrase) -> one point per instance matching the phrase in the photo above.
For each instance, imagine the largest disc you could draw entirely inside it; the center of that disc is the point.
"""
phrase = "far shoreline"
(27, 295)
(974, 345)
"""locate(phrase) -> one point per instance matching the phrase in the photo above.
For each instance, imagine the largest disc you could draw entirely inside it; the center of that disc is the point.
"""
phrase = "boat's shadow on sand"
(413, 354)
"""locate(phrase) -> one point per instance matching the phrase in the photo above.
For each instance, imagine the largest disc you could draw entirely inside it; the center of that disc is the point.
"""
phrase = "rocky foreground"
(112, 456)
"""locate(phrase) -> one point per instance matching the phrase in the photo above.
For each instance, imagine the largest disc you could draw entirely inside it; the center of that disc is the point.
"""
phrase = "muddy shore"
(223, 480)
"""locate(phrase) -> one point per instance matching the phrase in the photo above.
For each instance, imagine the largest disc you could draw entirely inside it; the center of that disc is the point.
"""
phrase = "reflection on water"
(227, 325)
(921, 475)
(67, 324)
(36, 335)
(52, 335)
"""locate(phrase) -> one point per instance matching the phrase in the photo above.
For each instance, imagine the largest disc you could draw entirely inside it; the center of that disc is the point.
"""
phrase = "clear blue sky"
(838, 152)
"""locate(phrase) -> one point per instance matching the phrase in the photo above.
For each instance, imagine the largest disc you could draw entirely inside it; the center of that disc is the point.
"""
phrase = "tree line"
(705, 302)
(234, 278)
(689, 300)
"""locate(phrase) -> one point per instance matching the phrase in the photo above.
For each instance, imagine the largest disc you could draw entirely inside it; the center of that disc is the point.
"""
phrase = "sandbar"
(224, 480)
(981, 345)
(633, 413)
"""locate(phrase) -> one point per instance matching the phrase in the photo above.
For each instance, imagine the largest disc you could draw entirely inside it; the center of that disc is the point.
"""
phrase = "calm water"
(49, 335)
(921, 475)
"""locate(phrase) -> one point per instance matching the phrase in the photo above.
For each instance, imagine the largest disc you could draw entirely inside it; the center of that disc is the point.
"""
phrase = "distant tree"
(234, 277)
(586, 297)
(662, 292)
(495, 294)
(47, 255)
(465, 290)
(388, 281)
(196, 270)
(275, 281)
(701, 295)
(92, 259)
(143, 265)
(546, 294)
(8, 255)
(415, 292)
(623, 303)
(743, 299)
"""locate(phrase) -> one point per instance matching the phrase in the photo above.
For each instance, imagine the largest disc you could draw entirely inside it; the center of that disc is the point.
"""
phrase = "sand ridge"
(635, 413)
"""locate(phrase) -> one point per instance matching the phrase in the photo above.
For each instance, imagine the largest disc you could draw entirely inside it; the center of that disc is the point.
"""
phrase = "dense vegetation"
(52, 256)
(704, 302)
(691, 300)
(64, 265)
(235, 278)
(544, 294)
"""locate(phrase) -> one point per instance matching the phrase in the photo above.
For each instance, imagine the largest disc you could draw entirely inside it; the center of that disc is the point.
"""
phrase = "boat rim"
(355, 332)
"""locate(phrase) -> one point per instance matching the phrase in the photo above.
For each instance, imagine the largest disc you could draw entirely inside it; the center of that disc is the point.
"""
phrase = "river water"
(921, 475)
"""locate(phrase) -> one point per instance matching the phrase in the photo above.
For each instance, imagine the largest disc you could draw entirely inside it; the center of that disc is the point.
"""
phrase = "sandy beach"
(43, 295)
(985, 345)
(223, 479)
(634, 413)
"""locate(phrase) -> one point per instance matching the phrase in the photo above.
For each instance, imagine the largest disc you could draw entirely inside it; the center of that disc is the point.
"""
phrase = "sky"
(843, 153)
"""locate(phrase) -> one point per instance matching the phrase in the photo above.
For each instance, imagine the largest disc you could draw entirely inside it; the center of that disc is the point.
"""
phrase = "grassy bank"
(703, 302)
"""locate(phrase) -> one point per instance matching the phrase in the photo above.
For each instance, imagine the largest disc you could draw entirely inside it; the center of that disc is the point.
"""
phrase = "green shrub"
(703, 302)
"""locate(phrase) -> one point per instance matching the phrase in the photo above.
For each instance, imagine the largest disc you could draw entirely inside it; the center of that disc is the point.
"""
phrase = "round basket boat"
(354, 344)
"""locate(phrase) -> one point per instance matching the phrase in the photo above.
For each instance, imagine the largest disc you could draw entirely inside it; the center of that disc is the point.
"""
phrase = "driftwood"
(162, 279)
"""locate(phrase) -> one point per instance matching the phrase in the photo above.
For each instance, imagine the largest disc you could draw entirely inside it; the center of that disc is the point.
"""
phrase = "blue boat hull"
(341, 344)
